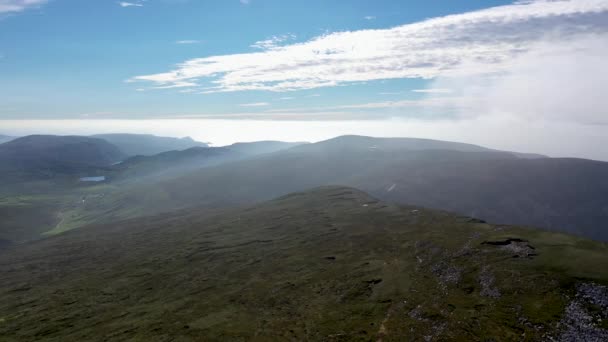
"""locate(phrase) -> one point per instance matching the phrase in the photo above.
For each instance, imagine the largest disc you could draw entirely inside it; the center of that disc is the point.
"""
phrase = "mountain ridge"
(552, 193)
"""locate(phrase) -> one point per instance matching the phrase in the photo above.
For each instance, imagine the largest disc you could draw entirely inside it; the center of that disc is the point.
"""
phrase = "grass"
(56, 209)
(329, 264)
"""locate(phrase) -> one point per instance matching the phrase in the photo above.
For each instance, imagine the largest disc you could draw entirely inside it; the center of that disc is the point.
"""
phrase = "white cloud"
(273, 42)
(438, 102)
(130, 4)
(425, 108)
(286, 98)
(188, 41)
(181, 84)
(13, 6)
(245, 2)
(255, 104)
(369, 17)
(489, 39)
(433, 90)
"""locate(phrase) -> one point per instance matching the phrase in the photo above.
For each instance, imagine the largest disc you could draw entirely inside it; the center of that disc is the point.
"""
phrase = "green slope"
(330, 264)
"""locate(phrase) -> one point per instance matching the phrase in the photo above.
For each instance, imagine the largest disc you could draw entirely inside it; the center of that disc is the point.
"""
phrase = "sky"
(528, 76)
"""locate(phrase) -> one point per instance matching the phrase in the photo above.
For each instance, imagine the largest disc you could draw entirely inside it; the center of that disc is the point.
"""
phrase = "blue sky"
(69, 58)
(472, 71)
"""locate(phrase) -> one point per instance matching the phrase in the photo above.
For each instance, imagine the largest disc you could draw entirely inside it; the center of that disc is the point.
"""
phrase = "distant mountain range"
(147, 144)
(327, 264)
(502, 187)
(133, 155)
(553, 193)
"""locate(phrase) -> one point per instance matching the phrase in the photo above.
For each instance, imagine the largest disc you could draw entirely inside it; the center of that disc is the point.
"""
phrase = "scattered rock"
(417, 314)
(578, 324)
(447, 274)
(594, 294)
(487, 280)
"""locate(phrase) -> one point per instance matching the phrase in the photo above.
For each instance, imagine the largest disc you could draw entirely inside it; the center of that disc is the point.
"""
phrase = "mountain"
(68, 149)
(147, 144)
(262, 147)
(553, 193)
(5, 138)
(47, 156)
(328, 264)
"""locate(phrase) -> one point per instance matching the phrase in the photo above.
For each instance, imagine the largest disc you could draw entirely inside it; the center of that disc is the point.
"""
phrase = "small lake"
(93, 179)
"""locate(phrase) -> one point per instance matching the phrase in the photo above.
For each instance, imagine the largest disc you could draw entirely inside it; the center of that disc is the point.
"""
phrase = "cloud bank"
(554, 81)
(489, 39)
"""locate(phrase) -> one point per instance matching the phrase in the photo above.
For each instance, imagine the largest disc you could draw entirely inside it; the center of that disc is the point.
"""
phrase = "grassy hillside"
(329, 264)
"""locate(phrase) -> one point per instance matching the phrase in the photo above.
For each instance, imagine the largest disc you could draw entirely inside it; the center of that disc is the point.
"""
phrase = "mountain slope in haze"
(5, 138)
(147, 144)
(174, 163)
(48, 156)
(553, 193)
(262, 147)
(330, 264)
